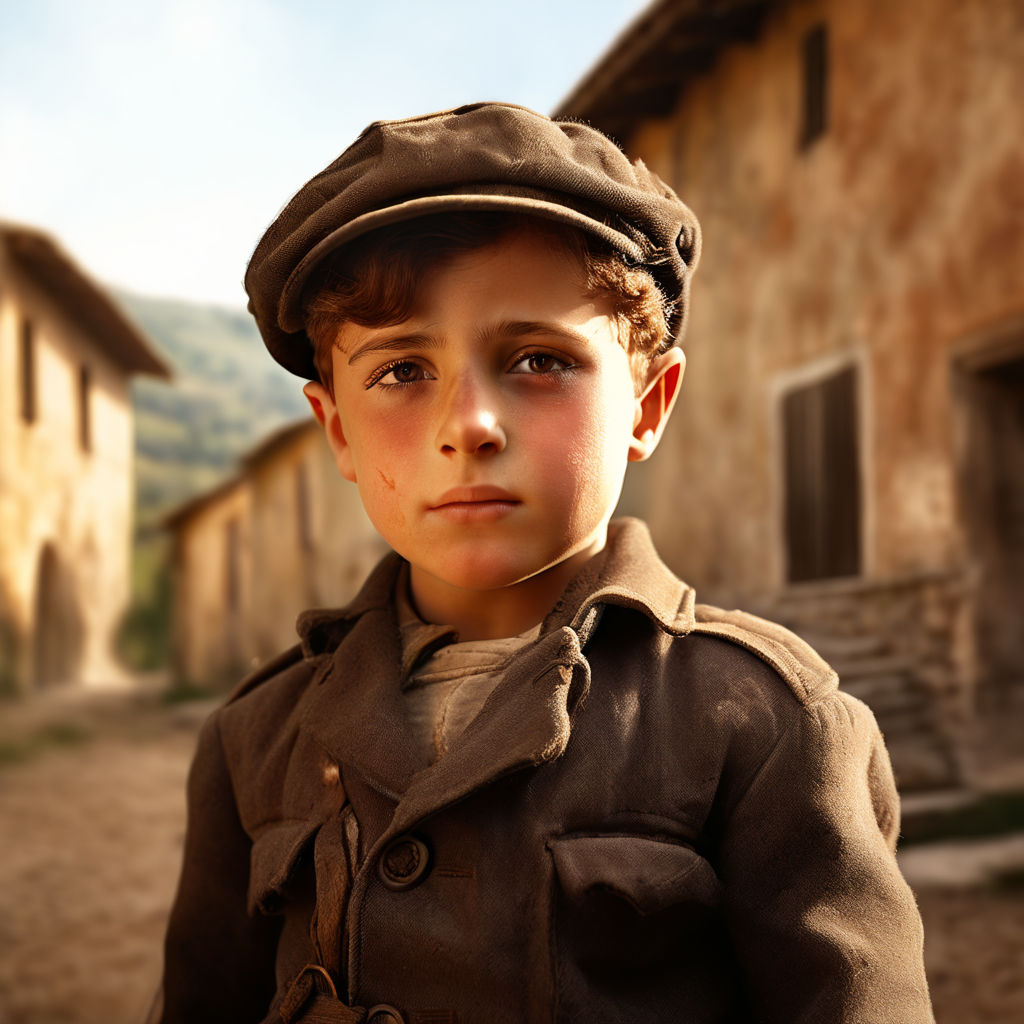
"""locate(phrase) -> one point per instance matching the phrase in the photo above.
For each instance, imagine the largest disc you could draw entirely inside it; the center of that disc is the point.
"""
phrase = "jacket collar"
(321, 630)
(628, 573)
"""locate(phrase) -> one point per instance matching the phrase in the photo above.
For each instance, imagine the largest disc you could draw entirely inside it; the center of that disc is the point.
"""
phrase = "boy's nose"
(471, 425)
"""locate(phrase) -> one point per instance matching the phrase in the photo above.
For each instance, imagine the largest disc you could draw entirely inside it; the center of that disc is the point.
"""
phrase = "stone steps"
(881, 667)
(887, 696)
(844, 648)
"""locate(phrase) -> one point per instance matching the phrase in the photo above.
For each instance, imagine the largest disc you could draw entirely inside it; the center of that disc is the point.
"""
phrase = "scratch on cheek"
(388, 482)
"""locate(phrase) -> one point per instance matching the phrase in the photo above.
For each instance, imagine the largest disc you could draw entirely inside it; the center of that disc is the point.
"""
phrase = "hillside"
(225, 394)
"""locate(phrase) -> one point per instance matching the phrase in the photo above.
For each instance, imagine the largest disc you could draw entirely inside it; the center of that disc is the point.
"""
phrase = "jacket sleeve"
(218, 961)
(824, 925)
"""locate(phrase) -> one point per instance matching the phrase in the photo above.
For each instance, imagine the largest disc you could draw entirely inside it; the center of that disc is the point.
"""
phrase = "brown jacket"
(664, 812)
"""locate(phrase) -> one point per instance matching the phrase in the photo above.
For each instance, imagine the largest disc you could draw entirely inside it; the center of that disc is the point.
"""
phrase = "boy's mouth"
(481, 503)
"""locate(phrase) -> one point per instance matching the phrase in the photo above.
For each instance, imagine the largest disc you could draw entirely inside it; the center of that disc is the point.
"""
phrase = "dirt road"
(91, 826)
(91, 822)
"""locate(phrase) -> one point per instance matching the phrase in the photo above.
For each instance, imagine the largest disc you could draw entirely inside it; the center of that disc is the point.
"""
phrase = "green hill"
(225, 394)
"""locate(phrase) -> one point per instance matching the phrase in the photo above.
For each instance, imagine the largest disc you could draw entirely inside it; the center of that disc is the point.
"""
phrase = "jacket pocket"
(636, 931)
(275, 853)
(649, 874)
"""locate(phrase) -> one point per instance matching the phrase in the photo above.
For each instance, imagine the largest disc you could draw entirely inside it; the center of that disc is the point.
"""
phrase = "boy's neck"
(502, 612)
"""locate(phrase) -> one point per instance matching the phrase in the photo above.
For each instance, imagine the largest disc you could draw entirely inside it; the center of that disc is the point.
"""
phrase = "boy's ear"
(655, 403)
(325, 410)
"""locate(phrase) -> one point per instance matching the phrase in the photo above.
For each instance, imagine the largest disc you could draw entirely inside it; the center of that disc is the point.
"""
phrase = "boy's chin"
(478, 577)
(489, 571)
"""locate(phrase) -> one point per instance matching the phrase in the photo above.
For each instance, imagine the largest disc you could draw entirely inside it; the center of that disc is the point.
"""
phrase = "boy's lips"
(479, 503)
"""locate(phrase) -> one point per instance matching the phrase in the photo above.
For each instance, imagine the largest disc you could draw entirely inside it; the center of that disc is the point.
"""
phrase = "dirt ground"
(91, 824)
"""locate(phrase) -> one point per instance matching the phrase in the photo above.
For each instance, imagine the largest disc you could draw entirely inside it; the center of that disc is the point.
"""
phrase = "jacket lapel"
(525, 722)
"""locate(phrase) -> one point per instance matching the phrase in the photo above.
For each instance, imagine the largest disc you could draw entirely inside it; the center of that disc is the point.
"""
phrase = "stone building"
(67, 355)
(286, 533)
(848, 452)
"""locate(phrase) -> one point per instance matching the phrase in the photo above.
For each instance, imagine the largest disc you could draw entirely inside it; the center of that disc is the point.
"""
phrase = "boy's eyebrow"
(396, 343)
(523, 328)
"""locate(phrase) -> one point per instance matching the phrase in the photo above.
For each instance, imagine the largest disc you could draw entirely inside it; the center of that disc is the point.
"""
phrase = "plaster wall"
(56, 496)
(285, 566)
(895, 242)
(320, 564)
(211, 637)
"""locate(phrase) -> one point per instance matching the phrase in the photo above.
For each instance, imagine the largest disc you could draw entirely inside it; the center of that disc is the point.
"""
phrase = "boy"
(522, 776)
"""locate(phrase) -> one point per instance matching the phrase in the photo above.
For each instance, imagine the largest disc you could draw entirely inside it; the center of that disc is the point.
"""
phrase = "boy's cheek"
(377, 491)
(380, 441)
(381, 469)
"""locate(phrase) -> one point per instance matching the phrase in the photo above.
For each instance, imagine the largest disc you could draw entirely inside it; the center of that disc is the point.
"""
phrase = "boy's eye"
(395, 374)
(538, 362)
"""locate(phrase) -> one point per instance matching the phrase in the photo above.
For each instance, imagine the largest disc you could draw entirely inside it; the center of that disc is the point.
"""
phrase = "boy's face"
(489, 433)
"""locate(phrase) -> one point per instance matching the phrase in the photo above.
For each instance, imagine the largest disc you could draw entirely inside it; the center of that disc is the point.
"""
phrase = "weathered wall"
(895, 242)
(341, 545)
(211, 638)
(55, 495)
(286, 565)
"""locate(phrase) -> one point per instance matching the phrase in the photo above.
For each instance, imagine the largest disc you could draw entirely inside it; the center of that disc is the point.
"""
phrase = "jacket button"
(403, 863)
(384, 1014)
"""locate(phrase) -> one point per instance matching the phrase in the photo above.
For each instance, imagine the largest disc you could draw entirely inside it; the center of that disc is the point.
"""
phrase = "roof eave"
(652, 61)
(120, 338)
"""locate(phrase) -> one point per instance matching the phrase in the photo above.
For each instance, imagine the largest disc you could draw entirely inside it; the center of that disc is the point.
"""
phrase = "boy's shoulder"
(804, 671)
(282, 662)
(633, 575)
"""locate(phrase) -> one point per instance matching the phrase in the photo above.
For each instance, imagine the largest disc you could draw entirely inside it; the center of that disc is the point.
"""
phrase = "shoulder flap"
(808, 674)
(266, 671)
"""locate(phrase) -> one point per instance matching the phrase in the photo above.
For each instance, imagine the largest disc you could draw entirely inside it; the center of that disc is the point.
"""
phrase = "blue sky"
(157, 138)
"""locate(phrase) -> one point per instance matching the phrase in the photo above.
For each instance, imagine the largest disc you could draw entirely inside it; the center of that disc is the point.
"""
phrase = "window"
(815, 70)
(822, 479)
(28, 372)
(84, 409)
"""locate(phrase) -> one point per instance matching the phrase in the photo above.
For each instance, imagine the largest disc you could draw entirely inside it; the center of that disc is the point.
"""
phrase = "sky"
(157, 139)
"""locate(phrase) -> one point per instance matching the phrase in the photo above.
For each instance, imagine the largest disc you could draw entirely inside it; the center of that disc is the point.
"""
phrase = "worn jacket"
(664, 812)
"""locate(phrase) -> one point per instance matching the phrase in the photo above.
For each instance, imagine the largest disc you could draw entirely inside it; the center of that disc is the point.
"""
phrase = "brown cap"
(486, 157)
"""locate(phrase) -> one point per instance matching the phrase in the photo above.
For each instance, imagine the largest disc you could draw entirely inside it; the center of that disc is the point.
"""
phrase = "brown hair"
(374, 280)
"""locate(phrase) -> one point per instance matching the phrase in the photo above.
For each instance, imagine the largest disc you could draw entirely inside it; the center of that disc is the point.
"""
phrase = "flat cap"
(481, 157)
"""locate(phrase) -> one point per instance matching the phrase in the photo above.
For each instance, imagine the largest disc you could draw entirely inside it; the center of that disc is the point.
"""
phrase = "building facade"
(285, 534)
(848, 451)
(67, 355)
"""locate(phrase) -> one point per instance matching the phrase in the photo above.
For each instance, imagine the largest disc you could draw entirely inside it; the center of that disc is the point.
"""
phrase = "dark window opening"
(28, 372)
(822, 479)
(815, 70)
(85, 409)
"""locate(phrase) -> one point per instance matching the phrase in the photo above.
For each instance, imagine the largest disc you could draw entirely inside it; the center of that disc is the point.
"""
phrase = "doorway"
(993, 506)
(59, 633)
